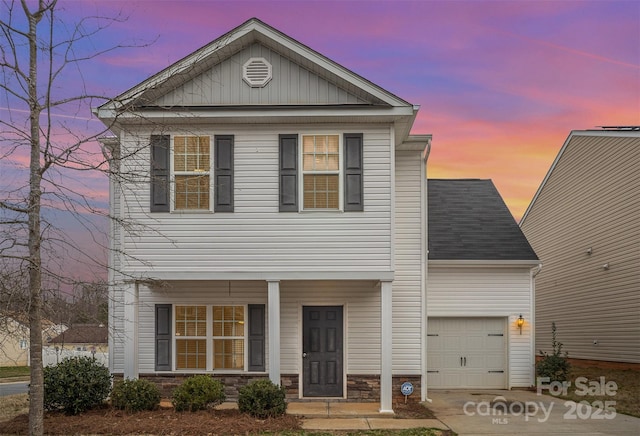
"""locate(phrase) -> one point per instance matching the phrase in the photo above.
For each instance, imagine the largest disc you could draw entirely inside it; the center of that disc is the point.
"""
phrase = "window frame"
(209, 340)
(173, 173)
(339, 171)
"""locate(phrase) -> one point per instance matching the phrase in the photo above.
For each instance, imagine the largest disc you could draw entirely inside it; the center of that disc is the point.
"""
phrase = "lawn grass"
(14, 371)
(627, 395)
(13, 405)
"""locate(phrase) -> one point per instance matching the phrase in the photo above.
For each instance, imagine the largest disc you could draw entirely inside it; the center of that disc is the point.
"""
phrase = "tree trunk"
(36, 389)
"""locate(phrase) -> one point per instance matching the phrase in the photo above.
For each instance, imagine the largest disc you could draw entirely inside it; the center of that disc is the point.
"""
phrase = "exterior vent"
(256, 72)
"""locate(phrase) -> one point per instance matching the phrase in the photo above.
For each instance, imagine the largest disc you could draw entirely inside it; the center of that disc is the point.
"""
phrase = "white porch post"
(130, 330)
(273, 287)
(386, 348)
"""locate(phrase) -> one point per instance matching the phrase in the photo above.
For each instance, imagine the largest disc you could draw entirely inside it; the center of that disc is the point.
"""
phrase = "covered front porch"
(320, 339)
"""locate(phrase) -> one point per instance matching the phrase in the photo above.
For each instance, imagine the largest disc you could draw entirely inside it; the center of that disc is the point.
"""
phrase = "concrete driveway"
(482, 412)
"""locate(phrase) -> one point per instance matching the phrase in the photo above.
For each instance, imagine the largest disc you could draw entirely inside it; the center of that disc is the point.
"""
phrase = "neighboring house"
(90, 340)
(480, 282)
(83, 337)
(14, 342)
(14, 337)
(271, 222)
(583, 223)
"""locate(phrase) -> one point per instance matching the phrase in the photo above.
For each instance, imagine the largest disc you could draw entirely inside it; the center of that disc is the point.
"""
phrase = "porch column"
(130, 330)
(273, 287)
(386, 348)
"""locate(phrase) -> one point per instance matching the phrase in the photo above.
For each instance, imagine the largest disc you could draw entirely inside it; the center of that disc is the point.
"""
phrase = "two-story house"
(270, 221)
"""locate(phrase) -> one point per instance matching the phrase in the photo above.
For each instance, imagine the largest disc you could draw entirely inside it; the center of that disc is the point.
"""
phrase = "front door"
(322, 351)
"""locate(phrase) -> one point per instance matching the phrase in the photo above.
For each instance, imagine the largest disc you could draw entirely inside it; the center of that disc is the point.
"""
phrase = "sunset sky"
(500, 83)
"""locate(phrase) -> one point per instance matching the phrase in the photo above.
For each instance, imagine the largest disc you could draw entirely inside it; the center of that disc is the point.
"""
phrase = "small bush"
(198, 393)
(556, 365)
(262, 399)
(75, 385)
(135, 395)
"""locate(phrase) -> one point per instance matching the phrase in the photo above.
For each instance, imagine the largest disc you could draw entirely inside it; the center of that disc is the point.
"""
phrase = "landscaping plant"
(262, 399)
(556, 365)
(135, 395)
(75, 385)
(198, 393)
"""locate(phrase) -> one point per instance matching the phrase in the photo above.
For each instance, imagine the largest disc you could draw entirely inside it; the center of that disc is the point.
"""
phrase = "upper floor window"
(321, 171)
(191, 171)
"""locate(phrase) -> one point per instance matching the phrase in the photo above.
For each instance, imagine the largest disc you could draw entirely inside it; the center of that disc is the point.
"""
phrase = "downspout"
(534, 272)
(425, 254)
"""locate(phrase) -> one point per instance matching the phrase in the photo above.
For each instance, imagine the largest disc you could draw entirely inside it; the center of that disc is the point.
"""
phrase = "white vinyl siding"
(257, 237)
(497, 292)
(590, 200)
(407, 285)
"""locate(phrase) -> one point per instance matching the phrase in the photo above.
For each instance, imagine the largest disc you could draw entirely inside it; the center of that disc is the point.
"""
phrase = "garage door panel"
(466, 353)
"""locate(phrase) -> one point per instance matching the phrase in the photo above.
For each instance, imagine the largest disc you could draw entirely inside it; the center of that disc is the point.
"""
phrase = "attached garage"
(467, 353)
(480, 281)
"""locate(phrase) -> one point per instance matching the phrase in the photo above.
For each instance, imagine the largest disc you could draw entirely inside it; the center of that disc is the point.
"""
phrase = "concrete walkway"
(479, 412)
(324, 415)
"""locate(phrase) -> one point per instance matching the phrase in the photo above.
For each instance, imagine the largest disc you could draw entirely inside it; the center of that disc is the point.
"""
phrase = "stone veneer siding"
(168, 382)
(360, 388)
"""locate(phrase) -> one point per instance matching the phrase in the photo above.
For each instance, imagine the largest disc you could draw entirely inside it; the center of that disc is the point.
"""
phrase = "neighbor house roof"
(83, 334)
(468, 220)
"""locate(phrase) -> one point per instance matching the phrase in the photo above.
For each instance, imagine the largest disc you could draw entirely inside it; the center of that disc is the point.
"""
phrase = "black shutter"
(159, 173)
(256, 337)
(163, 337)
(353, 196)
(288, 173)
(223, 161)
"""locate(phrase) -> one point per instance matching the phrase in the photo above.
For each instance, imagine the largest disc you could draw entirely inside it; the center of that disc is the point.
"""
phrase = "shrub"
(556, 365)
(75, 385)
(262, 399)
(198, 393)
(135, 395)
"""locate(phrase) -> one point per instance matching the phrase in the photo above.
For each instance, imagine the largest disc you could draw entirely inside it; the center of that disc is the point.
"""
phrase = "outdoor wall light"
(520, 322)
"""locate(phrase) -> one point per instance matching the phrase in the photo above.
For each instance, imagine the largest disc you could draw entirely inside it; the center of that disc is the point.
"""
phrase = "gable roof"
(607, 132)
(83, 334)
(253, 30)
(144, 101)
(468, 220)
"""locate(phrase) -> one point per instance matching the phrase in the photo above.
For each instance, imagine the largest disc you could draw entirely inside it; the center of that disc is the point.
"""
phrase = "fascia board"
(195, 114)
(484, 263)
(171, 275)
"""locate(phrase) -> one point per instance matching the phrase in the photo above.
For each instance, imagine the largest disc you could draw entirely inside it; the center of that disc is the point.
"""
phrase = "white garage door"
(466, 353)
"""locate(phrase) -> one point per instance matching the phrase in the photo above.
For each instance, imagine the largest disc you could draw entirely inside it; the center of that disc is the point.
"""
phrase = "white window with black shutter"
(188, 174)
(220, 338)
(321, 172)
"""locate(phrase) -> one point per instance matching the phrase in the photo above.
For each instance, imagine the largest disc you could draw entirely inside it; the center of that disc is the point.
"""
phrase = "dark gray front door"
(322, 351)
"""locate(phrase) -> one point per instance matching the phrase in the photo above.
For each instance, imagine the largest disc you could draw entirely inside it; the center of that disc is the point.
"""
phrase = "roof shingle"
(468, 220)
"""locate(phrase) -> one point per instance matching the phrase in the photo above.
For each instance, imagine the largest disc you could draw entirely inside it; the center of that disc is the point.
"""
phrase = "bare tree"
(42, 147)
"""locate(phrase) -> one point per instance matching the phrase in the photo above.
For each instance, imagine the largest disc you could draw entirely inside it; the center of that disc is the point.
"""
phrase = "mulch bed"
(166, 421)
(159, 422)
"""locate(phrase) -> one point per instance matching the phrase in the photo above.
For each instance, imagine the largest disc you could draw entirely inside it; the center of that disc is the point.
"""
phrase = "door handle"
(461, 361)
(304, 355)
(465, 361)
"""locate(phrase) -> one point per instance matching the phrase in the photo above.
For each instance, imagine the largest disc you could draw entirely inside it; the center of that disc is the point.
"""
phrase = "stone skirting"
(168, 382)
(360, 388)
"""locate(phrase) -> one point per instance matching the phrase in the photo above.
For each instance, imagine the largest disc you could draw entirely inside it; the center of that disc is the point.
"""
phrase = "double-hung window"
(210, 337)
(321, 171)
(191, 171)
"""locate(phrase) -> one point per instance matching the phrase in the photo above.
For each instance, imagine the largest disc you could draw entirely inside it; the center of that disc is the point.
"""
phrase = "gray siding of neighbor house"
(590, 201)
(292, 84)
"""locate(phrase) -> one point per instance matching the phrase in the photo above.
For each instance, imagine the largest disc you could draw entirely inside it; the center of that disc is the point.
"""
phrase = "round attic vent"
(256, 72)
